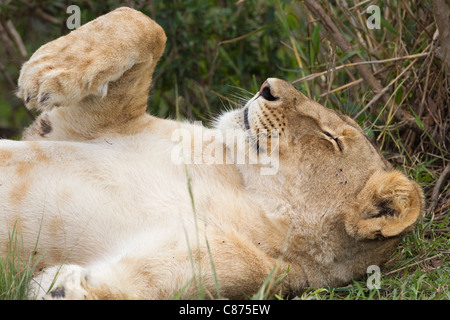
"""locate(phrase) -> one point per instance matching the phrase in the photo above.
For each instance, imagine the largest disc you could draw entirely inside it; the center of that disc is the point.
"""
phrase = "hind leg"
(73, 282)
(100, 73)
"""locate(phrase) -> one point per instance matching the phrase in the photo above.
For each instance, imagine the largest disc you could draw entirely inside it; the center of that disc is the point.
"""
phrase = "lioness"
(97, 194)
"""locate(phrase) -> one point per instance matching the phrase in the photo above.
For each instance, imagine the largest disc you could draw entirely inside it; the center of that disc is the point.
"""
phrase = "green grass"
(16, 270)
(419, 270)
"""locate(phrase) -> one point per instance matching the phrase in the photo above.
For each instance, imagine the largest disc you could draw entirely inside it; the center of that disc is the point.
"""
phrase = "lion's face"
(335, 186)
(317, 152)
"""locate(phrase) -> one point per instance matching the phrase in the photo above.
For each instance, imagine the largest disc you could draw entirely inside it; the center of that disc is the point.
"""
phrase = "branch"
(443, 24)
(385, 89)
(45, 16)
(7, 77)
(8, 45)
(318, 74)
(17, 39)
(363, 70)
(435, 195)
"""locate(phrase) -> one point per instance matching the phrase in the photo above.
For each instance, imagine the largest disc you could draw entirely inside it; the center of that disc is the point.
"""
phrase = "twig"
(435, 195)
(415, 263)
(379, 94)
(45, 16)
(7, 77)
(242, 37)
(315, 75)
(363, 70)
(343, 43)
(16, 38)
(427, 77)
(440, 11)
(222, 97)
(6, 41)
(345, 86)
(351, 84)
(220, 43)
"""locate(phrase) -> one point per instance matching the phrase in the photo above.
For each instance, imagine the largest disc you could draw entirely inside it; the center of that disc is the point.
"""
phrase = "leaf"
(387, 25)
(348, 55)
(315, 38)
(314, 45)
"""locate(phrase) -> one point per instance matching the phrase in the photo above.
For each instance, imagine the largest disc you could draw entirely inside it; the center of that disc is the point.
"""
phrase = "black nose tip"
(266, 93)
(264, 85)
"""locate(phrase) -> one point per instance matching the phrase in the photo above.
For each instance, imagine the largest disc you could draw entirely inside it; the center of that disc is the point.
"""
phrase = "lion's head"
(346, 205)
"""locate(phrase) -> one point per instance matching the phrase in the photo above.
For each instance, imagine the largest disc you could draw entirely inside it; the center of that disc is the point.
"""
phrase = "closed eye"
(336, 140)
(329, 135)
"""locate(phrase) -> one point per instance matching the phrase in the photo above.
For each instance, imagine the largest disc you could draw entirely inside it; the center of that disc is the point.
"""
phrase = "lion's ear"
(389, 205)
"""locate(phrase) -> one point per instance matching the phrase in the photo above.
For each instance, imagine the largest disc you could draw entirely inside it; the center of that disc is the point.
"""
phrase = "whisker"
(250, 94)
(240, 100)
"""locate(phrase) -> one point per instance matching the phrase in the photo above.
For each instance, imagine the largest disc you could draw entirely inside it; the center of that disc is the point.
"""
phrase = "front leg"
(100, 72)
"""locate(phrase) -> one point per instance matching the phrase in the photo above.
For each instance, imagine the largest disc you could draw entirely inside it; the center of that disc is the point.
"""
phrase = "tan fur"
(100, 194)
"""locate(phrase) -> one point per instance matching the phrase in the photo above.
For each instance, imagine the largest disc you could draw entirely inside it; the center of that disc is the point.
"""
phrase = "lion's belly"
(78, 202)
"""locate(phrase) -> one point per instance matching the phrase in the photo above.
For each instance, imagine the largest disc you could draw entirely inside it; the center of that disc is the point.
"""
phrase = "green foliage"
(208, 48)
(16, 270)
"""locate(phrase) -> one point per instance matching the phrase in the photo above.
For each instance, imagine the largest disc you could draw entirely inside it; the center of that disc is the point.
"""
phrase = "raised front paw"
(65, 71)
(44, 86)
(84, 62)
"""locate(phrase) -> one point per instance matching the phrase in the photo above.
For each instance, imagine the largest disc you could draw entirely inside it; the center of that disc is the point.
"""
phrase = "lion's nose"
(266, 93)
(265, 84)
